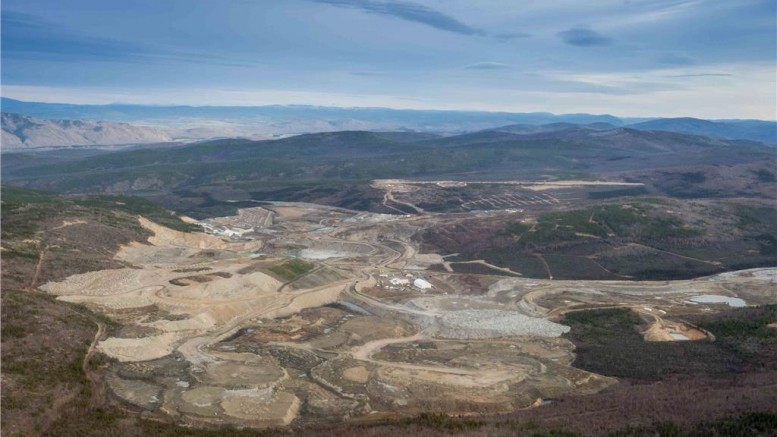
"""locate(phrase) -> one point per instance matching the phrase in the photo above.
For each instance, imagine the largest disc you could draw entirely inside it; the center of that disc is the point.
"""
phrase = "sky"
(700, 58)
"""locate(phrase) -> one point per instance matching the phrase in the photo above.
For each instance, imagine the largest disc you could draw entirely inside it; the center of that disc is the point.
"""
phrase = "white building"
(422, 284)
(399, 281)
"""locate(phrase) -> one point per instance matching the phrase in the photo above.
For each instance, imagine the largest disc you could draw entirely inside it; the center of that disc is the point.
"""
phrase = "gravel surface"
(496, 323)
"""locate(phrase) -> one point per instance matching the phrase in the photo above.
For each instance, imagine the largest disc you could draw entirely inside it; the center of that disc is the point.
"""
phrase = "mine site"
(291, 313)
(388, 218)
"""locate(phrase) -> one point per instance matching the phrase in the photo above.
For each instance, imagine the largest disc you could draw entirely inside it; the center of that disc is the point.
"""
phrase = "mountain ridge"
(360, 155)
(25, 132)
(296, 119)
(735, 129)
(271, 121)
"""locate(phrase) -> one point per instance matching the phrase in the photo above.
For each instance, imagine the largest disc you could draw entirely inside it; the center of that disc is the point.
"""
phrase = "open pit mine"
(299, 313)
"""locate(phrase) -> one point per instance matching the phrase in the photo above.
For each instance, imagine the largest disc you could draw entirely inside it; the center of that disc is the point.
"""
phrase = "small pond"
(716, 298)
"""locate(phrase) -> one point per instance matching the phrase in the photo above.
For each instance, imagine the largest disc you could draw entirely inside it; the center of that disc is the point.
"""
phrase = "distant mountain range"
(264, 122)
(24, 132)
(756, 130)
(753, 130)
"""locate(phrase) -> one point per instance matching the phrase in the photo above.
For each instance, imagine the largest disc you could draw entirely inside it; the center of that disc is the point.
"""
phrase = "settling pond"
(716, 298)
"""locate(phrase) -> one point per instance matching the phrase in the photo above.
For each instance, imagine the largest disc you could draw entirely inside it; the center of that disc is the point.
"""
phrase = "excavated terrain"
(294, 313)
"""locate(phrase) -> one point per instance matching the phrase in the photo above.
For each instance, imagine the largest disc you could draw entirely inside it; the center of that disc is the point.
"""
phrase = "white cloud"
(747, 91)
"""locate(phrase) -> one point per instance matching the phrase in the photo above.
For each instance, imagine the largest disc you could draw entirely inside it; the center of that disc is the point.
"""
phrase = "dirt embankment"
(164, 236)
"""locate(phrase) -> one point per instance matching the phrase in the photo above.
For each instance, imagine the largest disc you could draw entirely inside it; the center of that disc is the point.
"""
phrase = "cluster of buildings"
(399, 282)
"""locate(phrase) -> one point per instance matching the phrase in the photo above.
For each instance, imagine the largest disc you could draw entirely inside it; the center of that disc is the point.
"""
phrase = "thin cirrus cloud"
(367, 73)
(611, 84)
(487, 66)
(26, 36)
(408, 11)
(702, 75)
(582, 37)
(488, 54)
(509, 36)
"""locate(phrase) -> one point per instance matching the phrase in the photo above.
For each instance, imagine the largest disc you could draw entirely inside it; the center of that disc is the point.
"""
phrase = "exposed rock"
(23, 132)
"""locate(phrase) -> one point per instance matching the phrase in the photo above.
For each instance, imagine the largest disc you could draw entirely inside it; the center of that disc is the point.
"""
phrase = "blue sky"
(704, 58)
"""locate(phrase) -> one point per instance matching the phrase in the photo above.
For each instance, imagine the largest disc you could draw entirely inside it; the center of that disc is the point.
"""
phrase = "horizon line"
(460, 110)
